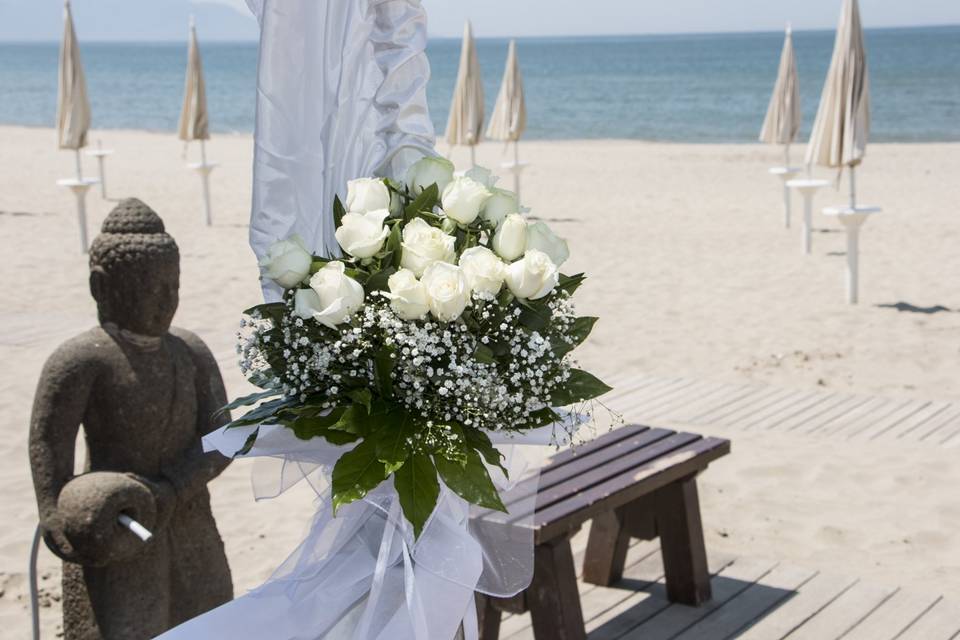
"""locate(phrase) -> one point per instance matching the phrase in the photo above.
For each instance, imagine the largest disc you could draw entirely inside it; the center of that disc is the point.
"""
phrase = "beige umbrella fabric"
(465, 125)
(783, 114)
(842, 128)
(509, 119)
(194, 121)
(73, 106)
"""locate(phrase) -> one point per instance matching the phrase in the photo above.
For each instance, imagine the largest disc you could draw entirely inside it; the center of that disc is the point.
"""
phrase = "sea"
(682, 88)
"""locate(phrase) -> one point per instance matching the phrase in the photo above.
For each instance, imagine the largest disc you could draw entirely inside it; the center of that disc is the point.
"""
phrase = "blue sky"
(229, 20)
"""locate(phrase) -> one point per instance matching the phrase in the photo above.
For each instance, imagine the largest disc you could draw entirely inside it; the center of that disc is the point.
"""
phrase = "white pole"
(786, 204)
(853, 266)
(786, 155)
(473, 156)
(853, 187)
(807, 220)
(516, 168)
(76, 156)
(81, 194)
(205, 176)
(103, 175)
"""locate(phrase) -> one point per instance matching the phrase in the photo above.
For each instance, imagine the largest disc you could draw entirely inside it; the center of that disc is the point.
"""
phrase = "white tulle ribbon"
(362, 575)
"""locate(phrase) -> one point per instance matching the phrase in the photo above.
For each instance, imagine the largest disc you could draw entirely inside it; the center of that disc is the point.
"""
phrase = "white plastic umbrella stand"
(808, 188)
(101, 155)
(204, 168)
(852, 217)
(515, 167)
(786, 173)
(80, 186)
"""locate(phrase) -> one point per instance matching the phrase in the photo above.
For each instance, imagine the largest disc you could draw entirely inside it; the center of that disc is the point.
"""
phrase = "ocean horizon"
(699, 87)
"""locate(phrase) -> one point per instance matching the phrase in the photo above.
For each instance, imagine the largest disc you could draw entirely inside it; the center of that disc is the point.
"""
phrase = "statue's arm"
(62, 396)
(194, 468)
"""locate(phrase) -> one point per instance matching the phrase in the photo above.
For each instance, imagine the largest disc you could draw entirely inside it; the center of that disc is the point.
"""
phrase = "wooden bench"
(634, 482)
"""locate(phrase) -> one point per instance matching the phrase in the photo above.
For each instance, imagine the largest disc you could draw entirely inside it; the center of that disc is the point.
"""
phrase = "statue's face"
(142, 298)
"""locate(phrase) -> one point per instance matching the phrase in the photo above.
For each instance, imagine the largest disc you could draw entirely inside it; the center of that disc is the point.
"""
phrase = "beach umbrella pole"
(473, 156)
(205, 177)
(853, 187)
(76, 155)
(516, 168)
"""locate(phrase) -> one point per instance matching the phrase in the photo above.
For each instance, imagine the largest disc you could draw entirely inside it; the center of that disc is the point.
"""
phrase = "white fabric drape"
(194, 119)
(783, 113)
(509, 118)
(341, 94)
(842, 128)
(73, 105)
(465, 123)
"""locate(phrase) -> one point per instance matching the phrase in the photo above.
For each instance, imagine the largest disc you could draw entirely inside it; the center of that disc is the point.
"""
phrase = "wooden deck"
(689, 403)
(755, 599)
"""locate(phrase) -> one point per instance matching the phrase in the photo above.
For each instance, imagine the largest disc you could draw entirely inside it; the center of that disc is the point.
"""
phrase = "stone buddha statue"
(145, 394)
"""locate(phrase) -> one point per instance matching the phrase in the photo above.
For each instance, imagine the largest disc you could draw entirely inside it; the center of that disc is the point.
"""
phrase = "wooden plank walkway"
(754, 599)
(684, 403)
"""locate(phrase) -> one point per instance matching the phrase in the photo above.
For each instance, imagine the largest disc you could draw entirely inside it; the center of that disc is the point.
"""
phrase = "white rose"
(533, 277)
(542, 238)
(510, 240)
(501, 204)
(447, 290)
(463, 198)
(482, 175)
(287, 262)
(338, 296)
(408, 296)
(484, 270)
(363, 234)
(423, 245)
(367, 194)
(427, 171)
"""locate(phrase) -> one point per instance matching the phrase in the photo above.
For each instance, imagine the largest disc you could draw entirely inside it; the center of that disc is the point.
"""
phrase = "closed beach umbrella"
(194, 119)
(73, 106)
(840, 132)
(509, 119)
(465, 124)
(783, 114)
(73, 116)
(194, 124)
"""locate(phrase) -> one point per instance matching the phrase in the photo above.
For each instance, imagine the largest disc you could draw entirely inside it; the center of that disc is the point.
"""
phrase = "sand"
(691, 272)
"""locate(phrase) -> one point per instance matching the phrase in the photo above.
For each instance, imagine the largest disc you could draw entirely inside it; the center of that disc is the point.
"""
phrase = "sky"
(33, 20)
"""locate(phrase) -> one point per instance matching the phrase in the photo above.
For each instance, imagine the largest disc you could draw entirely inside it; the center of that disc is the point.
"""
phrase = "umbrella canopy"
(73, 106)
(465, 125)
(783, 115)
(509, 119)
(194, 122)
(840, 132)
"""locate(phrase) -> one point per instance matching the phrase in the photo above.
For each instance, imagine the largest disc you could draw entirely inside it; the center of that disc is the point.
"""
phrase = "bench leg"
(681, 542)
(489, 618)
(606, 548)
(553, 597)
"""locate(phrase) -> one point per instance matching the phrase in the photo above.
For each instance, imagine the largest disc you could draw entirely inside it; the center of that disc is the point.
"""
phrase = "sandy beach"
(692, 274)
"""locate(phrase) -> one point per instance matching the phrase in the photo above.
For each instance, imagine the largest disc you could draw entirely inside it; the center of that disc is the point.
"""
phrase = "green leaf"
(338, 212)
(263, 413)
(317, 264)
(395, 246)
(534, 314)
(579, 387)
(392, 438)
(271, 310)
(471, 481)
(543, 417)
(426, 201)
(246, 401)
(361, 397)
(578, 332)
(356, 473)
(378, 281)
(478, 441)
(570, 283)
(418, 488)
(484, 354)
(248, 444)
(382, 369)
(315, 426)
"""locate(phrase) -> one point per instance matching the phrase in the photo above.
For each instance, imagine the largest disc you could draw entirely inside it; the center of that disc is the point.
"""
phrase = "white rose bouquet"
(447, 319)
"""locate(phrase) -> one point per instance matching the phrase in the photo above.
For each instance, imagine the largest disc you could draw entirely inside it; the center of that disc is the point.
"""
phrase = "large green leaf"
(418, 488)
(246, 401)
(263, 413)
(426, 201)
(338, 212)
(356, 473)
(392, 439)
(272, 310)
(378, 281)
(579, 387)
(471, 481)
(479, 441)
(578, 332)
(383, 363)
(570, 283)
(315, 426)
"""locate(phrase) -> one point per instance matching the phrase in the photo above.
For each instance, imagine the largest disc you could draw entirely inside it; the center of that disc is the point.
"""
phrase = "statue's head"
(135, 270)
